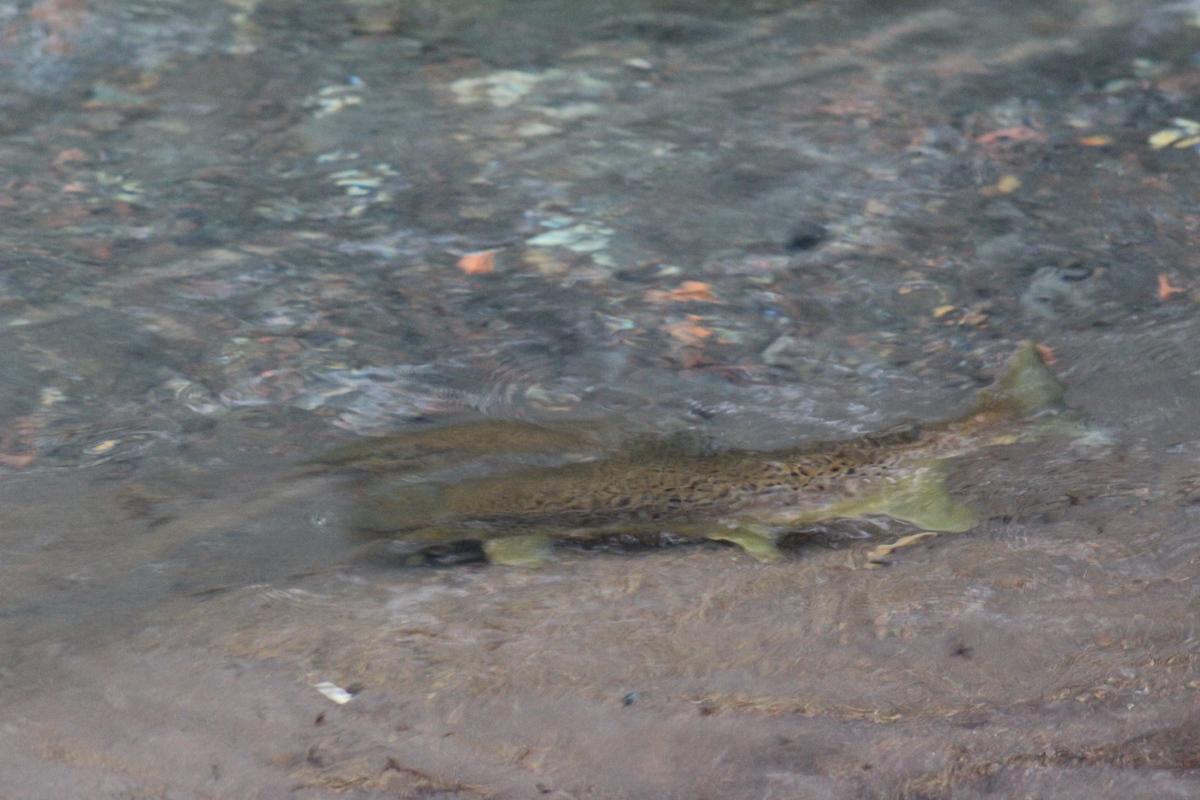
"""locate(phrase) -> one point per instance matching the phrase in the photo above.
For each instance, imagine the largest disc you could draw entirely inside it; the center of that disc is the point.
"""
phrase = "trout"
(749, 498)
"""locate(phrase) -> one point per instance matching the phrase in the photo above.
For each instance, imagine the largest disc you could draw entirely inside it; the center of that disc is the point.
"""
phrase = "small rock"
(805, 236)
(1073, 294)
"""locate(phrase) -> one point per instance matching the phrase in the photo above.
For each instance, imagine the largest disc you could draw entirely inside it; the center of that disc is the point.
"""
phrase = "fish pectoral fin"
(530, 551)
(758, 541)
(924, 501)
(877, 556)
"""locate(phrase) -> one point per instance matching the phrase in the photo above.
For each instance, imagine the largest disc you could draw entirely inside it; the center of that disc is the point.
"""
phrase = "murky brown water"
(237, 234)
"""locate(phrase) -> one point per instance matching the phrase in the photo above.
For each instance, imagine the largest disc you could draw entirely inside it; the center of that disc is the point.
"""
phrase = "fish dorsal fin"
(677, 444)
(1025, 387)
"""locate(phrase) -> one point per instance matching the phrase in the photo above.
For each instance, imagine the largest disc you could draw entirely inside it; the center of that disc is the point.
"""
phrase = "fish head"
(401, 513)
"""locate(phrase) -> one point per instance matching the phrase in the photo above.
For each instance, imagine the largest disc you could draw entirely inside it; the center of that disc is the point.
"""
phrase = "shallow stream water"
(234, 235)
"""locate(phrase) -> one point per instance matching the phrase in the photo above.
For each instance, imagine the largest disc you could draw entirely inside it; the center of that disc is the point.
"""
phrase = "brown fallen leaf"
(70, 156)
(689, 331)
(67, 215)
(878, 208)
(98, 248)
(17, 443)
(1017, 133)
(686, 291)
(17, 460)
(976, 315)
(478, 263)
(1008, 184)
(1165, 290)
(694, 358)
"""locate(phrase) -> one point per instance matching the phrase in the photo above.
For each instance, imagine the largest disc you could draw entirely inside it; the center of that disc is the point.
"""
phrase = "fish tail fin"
(1025, 387)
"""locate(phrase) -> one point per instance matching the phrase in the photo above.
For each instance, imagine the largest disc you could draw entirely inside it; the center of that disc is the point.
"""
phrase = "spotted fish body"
(749, 498)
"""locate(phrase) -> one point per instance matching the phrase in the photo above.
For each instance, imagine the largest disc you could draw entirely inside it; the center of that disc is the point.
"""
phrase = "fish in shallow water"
(749, 498)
